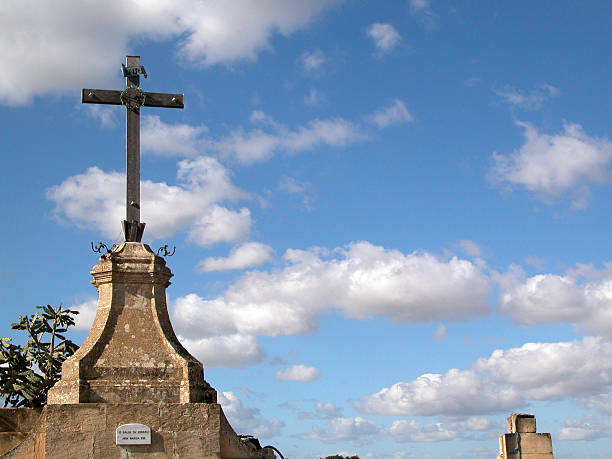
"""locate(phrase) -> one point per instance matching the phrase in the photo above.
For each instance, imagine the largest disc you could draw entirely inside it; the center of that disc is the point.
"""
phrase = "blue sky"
(391, 217)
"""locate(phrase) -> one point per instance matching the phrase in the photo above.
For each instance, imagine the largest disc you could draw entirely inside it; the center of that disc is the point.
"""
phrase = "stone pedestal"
(131, 369)
(131, 353)
(522, 441)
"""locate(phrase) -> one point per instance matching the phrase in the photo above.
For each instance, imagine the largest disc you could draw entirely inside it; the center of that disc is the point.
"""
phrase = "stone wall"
(15, 425)
(178, 431)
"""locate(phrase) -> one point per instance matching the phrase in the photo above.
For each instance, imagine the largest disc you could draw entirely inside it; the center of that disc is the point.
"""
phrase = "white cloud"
(312, 60)
(362, 279)
(540, 299)
(257, 145)
(533, 100)
(322, 411)
(87, 313)
(314, 98)
(221, 31)
(231, 351)
(544, 371)
(422, 10)
(551, 165)
(259, 117)
(294, 186)
(220, 224)
(552, 298)
(504, 381)
(245, 420)
(601, 402)
(385, 37)
(247, 255)
(418, 6)
(170, 139)
(342, 429)
(412, 431)
(104, 114)
(68, 43)
(248, 146)
(299, 373)
(587, 428)
(393, 114)
(81, 44)
(440, 333)
(455, 392)
(409, 430)
(191, 205)
(470, 248)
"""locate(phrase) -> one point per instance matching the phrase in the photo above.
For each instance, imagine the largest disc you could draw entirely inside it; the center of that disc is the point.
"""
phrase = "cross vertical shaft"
(132, 148)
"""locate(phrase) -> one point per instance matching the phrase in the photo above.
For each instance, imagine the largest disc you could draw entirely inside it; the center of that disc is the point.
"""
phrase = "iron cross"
(133, 98)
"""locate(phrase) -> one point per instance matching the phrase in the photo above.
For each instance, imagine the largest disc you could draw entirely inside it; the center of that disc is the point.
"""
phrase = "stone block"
(185, 417)
(529, 442)
(18, 419)
(119, 414)
(535, 443)
(10, 440)
(69, 445)
(64, 419)
(521, 423)
(537, 456)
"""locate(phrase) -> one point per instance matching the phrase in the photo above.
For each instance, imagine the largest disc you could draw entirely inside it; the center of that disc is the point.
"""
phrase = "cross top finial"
(132, 97)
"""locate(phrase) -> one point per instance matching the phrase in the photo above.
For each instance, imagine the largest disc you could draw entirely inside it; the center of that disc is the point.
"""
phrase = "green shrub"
(28, 372)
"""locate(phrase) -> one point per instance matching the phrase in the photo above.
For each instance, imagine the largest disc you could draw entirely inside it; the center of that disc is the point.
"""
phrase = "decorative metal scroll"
(99, 246)
(165, 251)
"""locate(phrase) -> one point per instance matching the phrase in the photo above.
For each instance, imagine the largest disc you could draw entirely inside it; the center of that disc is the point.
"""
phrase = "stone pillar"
(522, 441)
(131, 354)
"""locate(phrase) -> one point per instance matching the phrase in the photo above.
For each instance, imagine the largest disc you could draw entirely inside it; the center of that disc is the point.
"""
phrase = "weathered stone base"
(532, 446)
(522, 441)
(131, 354)
(87, 431)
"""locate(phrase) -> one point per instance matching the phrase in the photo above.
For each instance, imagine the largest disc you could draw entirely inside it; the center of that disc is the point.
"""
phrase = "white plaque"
(133, 434)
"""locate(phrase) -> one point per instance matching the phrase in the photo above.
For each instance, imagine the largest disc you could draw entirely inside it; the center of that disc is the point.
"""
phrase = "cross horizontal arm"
(113, 97)
(101, 96)
(158, 99)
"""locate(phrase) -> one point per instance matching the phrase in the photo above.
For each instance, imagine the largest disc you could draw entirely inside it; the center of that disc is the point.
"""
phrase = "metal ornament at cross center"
(132, 97)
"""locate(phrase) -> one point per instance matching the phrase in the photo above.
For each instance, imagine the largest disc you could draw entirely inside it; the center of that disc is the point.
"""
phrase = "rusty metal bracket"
(165, 249)
(98, 248)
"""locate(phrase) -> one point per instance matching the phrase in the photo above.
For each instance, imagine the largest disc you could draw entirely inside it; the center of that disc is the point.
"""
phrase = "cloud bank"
(194, 204)
(506, 380)
(582, 296)
(361, 280)
(81, 44)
